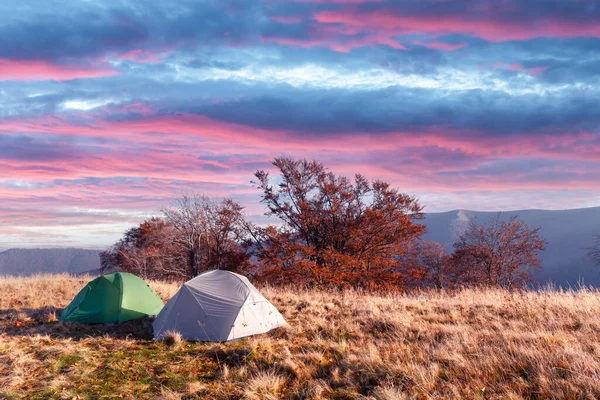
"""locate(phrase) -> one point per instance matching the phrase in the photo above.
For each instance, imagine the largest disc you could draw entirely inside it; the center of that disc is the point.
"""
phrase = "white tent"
(217, 306)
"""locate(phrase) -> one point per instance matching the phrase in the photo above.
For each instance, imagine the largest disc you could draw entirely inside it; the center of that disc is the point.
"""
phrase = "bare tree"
(196, 234)
(497, 253)
(208, 231)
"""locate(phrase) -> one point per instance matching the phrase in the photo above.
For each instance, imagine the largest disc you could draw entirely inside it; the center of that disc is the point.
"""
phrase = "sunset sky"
(108, 109)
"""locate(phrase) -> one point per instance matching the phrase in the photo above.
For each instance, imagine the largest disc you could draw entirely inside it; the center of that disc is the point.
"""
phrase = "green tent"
(112, 298)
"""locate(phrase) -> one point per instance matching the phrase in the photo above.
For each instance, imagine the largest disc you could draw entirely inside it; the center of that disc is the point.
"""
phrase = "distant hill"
(47, 261)
(565, 261)
(568, 233)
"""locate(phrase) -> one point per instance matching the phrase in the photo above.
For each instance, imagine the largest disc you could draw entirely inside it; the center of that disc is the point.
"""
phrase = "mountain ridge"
(565, 262)
(569, 233)
(31, 261)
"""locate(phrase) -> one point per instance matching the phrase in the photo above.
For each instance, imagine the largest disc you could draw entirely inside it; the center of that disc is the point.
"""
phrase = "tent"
(217, 306)
(112, 298)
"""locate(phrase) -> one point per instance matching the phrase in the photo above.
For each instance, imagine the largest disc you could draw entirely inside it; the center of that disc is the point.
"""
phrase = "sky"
(110, 109)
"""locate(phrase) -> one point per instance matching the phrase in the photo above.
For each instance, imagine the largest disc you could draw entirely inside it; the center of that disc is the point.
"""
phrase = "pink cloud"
(371, 40)
(159, 157)
(140, 56)
(183, 128)
(339, 1)
(510, 67)
(172, 148)
(30, 70)
(305, 43)
(135, 108)
(537, 70)
(330, 37)
(441, 45)
(489, 29)
(286, 19)
(334, 28)
(519, 67)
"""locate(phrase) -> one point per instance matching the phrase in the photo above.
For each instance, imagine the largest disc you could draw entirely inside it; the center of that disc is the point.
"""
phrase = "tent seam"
(224, 270)
(239, 311)
(120, 296)
(175, 303)
(197, 302)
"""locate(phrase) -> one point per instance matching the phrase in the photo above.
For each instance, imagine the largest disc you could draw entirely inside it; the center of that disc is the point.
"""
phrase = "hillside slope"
(568, 233)
(472, 344)
(25, 262)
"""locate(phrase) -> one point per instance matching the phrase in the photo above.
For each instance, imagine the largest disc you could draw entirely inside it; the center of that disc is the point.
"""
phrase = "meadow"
(473, 344)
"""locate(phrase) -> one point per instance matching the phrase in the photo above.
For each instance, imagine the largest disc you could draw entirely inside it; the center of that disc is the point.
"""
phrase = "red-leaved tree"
(334, 231)
(427, 264)
(498, 253)
(147, 250)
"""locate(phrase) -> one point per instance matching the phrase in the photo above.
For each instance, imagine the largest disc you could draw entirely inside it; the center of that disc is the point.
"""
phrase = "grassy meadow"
(472, 344)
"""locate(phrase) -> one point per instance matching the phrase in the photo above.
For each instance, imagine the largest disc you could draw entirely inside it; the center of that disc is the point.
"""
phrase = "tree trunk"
(192, 263)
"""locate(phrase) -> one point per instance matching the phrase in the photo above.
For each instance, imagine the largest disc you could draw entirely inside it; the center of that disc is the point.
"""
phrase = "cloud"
(441, 45)
(31, 70)
(490, 21)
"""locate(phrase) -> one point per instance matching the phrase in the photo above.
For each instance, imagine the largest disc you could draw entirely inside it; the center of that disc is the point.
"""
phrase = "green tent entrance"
(112, 298)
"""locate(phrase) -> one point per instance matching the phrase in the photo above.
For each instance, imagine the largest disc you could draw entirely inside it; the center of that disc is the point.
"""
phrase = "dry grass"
(471, 344)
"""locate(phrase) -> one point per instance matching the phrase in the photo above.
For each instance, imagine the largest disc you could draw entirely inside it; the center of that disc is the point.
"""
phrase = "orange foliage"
(426, 264)
(147, 250)
(197, 234)
(335, 232)
(497, 253)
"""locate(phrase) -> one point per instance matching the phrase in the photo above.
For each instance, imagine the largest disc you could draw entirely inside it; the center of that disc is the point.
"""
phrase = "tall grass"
(472, 343)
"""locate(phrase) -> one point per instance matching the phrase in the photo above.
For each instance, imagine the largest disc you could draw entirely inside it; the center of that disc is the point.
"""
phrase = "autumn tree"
(195, 234)
(147, 250)
(498, 253)
(334, 231)
(427, 264)
(208, 232)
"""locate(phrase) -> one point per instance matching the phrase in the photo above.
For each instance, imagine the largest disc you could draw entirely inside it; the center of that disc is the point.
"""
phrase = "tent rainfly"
(113, 298)
(217, 306)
